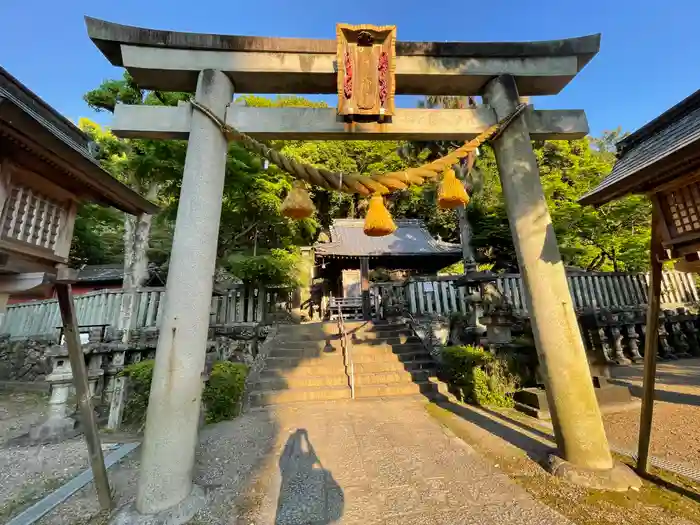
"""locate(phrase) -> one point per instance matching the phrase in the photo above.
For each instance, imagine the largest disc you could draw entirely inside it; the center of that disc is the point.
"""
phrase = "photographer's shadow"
(308, 492)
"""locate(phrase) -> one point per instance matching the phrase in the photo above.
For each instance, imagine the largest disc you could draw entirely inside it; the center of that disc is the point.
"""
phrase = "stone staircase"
(306, 363)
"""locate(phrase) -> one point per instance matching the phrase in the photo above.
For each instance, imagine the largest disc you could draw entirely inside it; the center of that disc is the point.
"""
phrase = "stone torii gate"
(211, 66)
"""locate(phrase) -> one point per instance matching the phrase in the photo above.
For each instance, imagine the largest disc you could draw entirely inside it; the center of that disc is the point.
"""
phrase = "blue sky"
(648, 59)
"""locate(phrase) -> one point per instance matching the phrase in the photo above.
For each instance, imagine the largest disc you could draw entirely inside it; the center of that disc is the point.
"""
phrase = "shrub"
(481, 377)
(140, 375)
(278, 267)
(221, 396)
(224, 390)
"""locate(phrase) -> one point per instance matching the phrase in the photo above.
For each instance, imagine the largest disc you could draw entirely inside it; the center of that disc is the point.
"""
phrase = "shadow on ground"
(673, 379)
(538, 445)
(667, 396)
(683, 372)
(306, 489)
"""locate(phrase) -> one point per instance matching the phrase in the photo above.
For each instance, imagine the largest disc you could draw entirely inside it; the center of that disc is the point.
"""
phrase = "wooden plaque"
(366, 64)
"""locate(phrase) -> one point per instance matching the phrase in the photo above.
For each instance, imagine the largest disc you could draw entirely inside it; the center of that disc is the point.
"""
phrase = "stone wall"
(31, 359)
(106, 355)
(611, 337)
(26, 359)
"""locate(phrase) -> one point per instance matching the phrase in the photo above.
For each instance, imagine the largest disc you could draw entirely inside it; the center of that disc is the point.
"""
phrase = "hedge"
(221, 396)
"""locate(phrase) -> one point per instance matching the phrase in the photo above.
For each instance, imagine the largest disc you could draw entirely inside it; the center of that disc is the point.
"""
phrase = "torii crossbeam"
(212, 65)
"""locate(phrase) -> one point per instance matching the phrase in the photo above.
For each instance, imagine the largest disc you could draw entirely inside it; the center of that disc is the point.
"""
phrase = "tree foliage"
(612, 237)
(278, 267)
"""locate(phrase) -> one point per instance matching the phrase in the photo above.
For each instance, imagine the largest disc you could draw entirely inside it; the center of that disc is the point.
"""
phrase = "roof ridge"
(668, 117)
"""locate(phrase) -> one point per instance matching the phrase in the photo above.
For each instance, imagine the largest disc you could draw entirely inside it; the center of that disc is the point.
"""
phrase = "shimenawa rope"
(380, 183)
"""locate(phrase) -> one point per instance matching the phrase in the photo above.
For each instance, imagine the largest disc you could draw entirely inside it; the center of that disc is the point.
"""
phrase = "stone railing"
(618, 336)
(611, 337)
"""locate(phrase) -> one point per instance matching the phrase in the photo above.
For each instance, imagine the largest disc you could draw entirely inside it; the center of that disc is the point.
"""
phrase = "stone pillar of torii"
(213, 66)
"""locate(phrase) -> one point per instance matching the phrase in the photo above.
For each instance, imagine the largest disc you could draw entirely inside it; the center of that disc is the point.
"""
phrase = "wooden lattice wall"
(32, 218)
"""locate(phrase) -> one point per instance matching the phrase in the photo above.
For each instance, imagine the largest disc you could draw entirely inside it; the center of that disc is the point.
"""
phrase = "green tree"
(415, 152)
(612, 237)
(149, 167)
(97, 236)
(252, 194)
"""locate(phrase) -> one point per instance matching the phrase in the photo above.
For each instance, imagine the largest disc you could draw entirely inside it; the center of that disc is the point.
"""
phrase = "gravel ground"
(28, 473)
(228, 454)
(676, 412)
(19, 411)
(231, 454)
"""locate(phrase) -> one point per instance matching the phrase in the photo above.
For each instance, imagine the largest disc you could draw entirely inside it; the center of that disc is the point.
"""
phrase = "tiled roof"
(667, 134)
(26, 114)
(410, 238)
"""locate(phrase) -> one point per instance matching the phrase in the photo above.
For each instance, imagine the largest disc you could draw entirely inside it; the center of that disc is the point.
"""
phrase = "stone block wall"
(106, 355)
(33, 359)
(26, 359)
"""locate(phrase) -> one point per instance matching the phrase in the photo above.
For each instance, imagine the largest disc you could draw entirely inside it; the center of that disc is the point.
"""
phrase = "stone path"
(376, 461)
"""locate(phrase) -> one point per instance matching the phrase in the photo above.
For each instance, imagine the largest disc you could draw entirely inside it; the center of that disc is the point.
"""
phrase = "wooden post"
(651, 344)
(82, 390)
(364, 287)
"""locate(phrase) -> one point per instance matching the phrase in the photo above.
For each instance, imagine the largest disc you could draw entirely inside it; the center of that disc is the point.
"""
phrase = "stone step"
(395, 389)
(306, 350)
(391, 366)
(311, 369)
(303, 337)
(295, 362)
(402, 357)
(365, 326)
(309, 343)
(400, 339)
(392, 377)
(292, 382)
(309, 350)
(259, 398)
(305, 330)
(382, 334)
(386, 349)
(335, 342)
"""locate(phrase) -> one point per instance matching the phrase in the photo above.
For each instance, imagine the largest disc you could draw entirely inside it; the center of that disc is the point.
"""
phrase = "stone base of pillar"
(181, 513)
(620, 478)
(611, 398)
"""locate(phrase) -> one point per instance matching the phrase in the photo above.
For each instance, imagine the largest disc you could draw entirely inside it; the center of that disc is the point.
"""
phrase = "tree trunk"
(465, 229)
(613, 257)
(137, 231)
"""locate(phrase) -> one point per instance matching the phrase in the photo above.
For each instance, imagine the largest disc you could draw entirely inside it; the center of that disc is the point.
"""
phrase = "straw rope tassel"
(378, 221)
(298, 204)
(451, 193)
